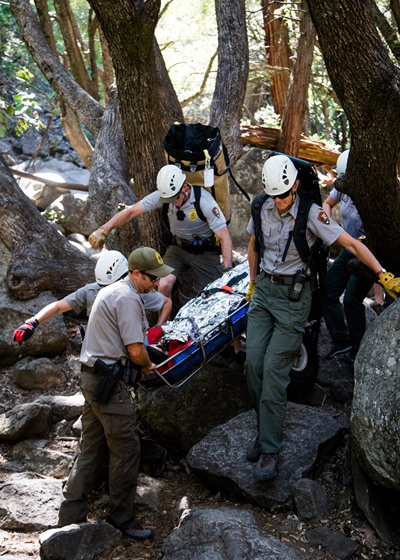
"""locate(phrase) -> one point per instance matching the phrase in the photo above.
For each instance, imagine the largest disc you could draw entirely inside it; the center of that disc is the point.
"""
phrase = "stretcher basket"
(176, 370)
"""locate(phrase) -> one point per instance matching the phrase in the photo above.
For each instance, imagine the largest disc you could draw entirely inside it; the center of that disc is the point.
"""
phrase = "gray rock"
(63, 407)
(25, 421)
(74, 212)
(50, 338)
(36, 456)
(375, 417)
(33, 374)
(381, 506)
(78, 542)
(218, 534)
(55, 170)
(311, 499)
(220, 458)
(148, 493)
(181, 418)
(338, 545)
(29, 504)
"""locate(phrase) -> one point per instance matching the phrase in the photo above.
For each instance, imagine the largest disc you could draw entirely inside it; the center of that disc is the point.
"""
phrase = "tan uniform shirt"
(117, 319)
(276, 229)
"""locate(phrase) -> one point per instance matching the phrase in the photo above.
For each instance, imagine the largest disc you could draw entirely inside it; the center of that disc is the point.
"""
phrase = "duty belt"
(277, 278)
(195, 246)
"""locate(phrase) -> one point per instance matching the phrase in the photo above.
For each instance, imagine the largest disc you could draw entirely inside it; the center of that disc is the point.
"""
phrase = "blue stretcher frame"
(194, 357)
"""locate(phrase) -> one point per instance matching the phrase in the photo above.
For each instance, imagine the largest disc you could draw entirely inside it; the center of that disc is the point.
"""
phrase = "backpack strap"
(256, 206)
(197, 196)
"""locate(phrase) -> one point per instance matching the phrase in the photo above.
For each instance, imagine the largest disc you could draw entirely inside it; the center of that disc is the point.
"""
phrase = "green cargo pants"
(114, 423)
(274, 334)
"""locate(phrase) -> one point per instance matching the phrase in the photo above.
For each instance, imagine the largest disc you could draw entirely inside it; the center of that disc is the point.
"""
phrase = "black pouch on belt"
(108, 377)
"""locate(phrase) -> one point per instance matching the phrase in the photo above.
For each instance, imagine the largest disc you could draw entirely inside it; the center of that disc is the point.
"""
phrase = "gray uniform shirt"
(191, 224)
(117, 319)
(276, 229)
(84, 299)
(351, 219)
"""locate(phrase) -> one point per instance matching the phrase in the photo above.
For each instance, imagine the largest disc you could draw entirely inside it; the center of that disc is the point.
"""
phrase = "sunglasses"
(152, 278)
(281, 196)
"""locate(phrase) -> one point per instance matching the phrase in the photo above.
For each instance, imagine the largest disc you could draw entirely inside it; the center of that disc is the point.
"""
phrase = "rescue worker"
(345, 337)
(193, 244)
(115, 334)
(110, 267)
(276, 318)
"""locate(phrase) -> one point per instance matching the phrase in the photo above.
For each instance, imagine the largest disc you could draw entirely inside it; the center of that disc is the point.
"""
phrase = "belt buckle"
(275, 278)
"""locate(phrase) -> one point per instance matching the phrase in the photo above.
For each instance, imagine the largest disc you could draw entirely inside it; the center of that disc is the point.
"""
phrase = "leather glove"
(390, 283)
(250, 291)
(98, 238)
(25, 331)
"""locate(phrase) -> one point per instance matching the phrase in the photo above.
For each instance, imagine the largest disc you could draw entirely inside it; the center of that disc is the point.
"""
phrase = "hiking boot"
(137, 533)
(338, 349)
(253, 451)
(265, 469)
(351, 358)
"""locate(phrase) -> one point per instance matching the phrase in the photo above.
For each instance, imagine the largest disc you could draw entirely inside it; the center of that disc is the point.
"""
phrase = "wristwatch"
(228, 268)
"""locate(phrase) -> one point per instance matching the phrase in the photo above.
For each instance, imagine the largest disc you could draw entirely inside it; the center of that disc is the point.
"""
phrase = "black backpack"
(316, 257)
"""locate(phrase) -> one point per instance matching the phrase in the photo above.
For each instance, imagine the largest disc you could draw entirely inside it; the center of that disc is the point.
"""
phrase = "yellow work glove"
(97, 238)
(390, 283)
(250, 291)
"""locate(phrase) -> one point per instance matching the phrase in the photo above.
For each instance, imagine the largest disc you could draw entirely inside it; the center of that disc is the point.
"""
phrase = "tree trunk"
(88, 110)
(367, 85)
(296, 103)
(129, 30)
(109, 179)
(279, 54)
(69, 119)
(42, 259)
(233, 67)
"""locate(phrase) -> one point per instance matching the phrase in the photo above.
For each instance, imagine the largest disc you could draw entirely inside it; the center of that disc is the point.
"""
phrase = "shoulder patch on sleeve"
(216, 212)
(323, 217)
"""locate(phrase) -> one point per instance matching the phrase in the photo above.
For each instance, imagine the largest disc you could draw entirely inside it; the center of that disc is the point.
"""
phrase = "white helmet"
(278, 175)
(170, 180)
(110, 267)
(341, 164)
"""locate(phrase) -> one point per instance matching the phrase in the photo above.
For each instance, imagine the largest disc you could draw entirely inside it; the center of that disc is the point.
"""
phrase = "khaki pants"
(274, 334)
(206, 267)
(113, 423)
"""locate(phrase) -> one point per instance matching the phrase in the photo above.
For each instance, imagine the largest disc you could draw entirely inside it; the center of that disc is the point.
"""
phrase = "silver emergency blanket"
(208, 310)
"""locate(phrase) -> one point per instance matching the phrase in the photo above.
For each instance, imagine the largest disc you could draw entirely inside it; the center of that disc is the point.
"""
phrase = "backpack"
(195, 148)
(316, 257)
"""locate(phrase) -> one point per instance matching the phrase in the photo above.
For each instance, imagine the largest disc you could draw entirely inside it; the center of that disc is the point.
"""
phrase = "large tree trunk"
(296, 102)
(278, 53)
(41, 259)
(88, 110)
(109, 179)
(129, 30)
(233, 67)
(367, 85)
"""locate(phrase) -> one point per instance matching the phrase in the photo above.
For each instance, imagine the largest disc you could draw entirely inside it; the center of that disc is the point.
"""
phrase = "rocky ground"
(180, 485)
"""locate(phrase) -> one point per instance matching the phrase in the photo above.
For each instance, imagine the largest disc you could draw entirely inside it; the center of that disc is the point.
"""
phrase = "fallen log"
(311, 150)
(38, 179)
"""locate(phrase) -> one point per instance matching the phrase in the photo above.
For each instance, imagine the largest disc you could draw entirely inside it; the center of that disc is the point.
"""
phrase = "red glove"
(25, 331)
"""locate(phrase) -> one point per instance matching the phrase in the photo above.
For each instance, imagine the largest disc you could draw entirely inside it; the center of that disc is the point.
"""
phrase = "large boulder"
(179, 418)
(375, 417)
(216, 534)
(219, 459)
(74, 212)
(49, 339)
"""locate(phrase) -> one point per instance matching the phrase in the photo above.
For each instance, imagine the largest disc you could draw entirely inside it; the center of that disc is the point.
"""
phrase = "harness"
(314, 257)
(197, 245)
